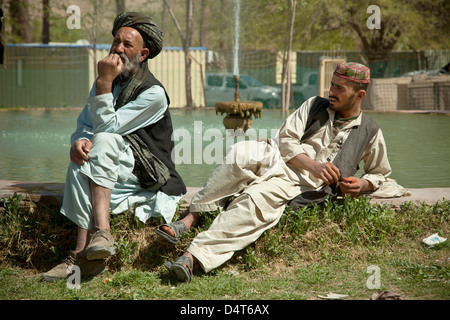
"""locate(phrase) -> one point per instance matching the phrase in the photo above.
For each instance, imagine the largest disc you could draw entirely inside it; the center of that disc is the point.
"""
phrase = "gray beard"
(129, 68)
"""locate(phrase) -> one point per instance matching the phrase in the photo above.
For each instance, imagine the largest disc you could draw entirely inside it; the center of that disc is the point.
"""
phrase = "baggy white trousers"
(262, 184)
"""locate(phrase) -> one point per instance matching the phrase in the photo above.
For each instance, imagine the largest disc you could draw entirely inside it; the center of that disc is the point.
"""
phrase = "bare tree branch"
(286, 76)
(186, 43)
(175, 21)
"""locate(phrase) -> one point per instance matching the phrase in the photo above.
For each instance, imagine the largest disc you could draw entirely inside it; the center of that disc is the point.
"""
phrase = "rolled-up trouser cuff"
(110, 162)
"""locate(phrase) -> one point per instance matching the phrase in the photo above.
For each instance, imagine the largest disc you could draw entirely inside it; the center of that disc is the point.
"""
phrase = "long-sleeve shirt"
(99, 114)
(323, 146)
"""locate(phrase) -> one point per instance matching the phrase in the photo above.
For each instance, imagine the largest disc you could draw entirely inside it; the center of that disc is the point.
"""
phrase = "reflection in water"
(34, 144)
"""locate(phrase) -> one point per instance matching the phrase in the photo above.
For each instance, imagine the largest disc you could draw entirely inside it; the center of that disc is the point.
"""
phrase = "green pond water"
(34, 144)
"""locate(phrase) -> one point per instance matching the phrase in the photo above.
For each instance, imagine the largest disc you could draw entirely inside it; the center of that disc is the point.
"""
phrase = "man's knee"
(106, 138)
(107, 148)
(105, 142)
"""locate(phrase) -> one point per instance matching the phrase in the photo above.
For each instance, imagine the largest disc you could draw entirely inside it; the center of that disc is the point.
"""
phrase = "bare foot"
(190, 256)
(167, 230)
(189, 221)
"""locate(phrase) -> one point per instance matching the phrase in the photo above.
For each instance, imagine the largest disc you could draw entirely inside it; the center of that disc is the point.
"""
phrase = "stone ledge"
(52, 193)
(417, 196)
(37, 192)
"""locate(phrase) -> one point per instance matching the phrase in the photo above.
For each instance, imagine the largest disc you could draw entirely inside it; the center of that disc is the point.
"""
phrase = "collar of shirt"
(343, 123)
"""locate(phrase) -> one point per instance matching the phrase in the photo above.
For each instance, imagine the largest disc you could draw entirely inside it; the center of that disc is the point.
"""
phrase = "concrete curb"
(52, 193)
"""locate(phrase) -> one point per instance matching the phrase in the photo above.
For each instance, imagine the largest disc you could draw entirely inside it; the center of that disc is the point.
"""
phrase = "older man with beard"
(121, 150)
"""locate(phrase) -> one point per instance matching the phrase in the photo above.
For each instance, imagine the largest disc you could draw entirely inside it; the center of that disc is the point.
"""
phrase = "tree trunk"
(286, 75)
(45, 21)
(120, 6)
(203, 28)
(223, 44)
(20, 21)
(163, 16)
(380, 45)
(94, 47)
(2, 36)
(186, 43)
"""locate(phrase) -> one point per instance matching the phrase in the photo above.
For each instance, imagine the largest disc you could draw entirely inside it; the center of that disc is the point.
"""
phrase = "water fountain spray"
(239, 113)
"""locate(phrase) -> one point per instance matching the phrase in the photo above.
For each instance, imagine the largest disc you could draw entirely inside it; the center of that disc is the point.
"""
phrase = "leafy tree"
(19, 18)
(412, 24)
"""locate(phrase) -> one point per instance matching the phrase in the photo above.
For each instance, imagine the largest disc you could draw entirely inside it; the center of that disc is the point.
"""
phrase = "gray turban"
(152, 35)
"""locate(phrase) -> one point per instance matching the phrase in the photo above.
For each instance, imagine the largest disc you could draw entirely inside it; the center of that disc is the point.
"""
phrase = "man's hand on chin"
(108, 69)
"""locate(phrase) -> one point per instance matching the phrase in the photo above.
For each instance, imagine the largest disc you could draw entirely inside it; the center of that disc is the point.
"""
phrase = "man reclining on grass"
(319, 150)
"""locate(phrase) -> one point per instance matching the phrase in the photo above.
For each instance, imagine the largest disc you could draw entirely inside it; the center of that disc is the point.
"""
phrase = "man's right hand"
(108, 69)
(327, 172)
(79, 151)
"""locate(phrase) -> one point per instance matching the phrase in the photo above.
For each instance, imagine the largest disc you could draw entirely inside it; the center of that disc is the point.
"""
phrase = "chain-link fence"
(40, 75)
(402, 80)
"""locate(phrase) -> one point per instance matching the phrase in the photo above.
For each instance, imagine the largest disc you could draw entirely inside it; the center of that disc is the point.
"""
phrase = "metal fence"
(62, 75)
(58, 75)
(399, 67)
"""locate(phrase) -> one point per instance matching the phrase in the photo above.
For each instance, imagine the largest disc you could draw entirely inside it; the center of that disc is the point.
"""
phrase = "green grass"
(317, 250)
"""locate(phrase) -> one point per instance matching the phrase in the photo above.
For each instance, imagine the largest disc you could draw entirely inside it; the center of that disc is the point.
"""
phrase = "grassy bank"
(317, 250)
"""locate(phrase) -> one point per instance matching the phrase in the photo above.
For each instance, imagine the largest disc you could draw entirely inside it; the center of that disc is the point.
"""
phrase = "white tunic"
(111, 161)
(258, 175)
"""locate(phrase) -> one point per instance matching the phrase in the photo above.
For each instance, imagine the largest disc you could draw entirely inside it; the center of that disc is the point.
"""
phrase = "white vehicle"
(221, 87)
